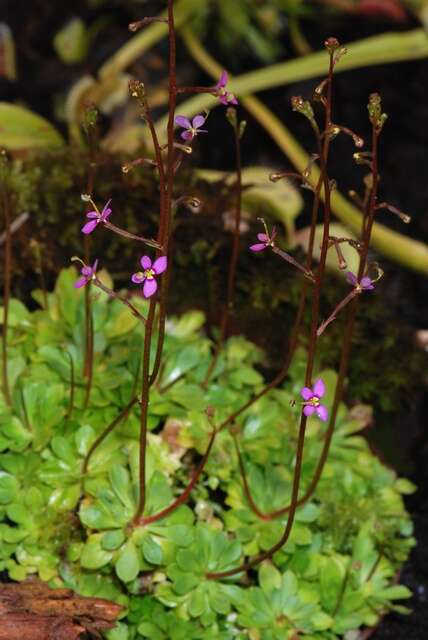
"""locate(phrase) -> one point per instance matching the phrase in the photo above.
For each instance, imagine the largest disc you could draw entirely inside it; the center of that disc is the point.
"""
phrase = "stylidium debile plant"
(155, 274)
(204, 565)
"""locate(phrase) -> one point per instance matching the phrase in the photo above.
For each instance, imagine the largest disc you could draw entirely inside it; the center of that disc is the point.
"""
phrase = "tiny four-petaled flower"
(365, 283)
(191, 129)
(87, 273)
(266, 241)
(95, 217)
(225, 97)
(312, 398)
(148, 276)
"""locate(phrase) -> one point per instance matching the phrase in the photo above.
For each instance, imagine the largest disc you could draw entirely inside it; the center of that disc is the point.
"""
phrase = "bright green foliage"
(334, 574)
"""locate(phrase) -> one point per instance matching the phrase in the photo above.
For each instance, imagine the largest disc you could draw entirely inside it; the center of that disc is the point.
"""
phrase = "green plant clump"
(337, 571)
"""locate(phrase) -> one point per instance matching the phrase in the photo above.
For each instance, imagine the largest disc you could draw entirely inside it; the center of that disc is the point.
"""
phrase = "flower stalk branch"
(7, 269)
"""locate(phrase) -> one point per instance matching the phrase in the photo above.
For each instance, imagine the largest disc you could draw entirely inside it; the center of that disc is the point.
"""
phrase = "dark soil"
(400, 438)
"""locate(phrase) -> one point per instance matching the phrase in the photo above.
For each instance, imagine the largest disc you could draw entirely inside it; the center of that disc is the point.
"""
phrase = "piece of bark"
(32, 611)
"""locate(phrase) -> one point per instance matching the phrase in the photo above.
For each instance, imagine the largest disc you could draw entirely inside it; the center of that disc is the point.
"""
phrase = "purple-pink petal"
(306, 393)
(86, 271)
(81, 282)
(182, 121)
(137, 278)
(351, 278)
(95, 266)
(319, 388)
(262, 237)
(146, 262)
(149, 288)
(105, 214)
(89, 226)
(322, 413)
(160, 265)
(198, 121)
(366, 283)
(258, 247)
(224, 79)
(92, 214)
(223, 100)
(232, 99)
(308, 410)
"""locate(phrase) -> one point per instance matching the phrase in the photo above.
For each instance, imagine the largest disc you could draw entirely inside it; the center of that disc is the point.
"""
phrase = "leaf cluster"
(336, 572)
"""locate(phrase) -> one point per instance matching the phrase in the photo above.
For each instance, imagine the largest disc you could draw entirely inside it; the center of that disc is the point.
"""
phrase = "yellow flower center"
(314, 401)
(149, 274)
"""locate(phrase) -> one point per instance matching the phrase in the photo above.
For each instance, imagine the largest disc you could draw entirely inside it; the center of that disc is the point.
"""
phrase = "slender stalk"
(311, 350)
(295, 489)
(166, 190)
(145, 391)
(132, 236)
(112, 294)
(285, 256)
(348, 331)
(182, 498)
(245, 484)
(169, 186)
(122, 415)
(342, 304)
(295, 331)
(7, 270)
(230, 297)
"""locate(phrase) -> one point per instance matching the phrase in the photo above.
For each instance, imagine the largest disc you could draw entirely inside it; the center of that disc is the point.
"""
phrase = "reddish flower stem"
(7, 269)
(295, 331)
(311, 351)
(132, 236)
(122, 415)
(145, 391)
(347, 342)
(195, 90)
(112, 294)
(163, 238)
(246, 487)
(342, 304)
(182, 498)
(285, 256)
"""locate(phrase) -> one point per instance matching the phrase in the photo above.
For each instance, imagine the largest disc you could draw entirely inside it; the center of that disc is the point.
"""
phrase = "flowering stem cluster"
(154, 276)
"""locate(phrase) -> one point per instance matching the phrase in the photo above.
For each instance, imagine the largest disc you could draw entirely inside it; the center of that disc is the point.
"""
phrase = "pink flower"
(225, 97)
(88, 273)
(192, 129)
(365, 283)
(148, 276)
(312, 398)
(266, 241)
(95, 217)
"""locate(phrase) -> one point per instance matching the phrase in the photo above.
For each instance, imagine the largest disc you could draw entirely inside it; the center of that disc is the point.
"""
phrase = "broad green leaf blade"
(23, 129)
